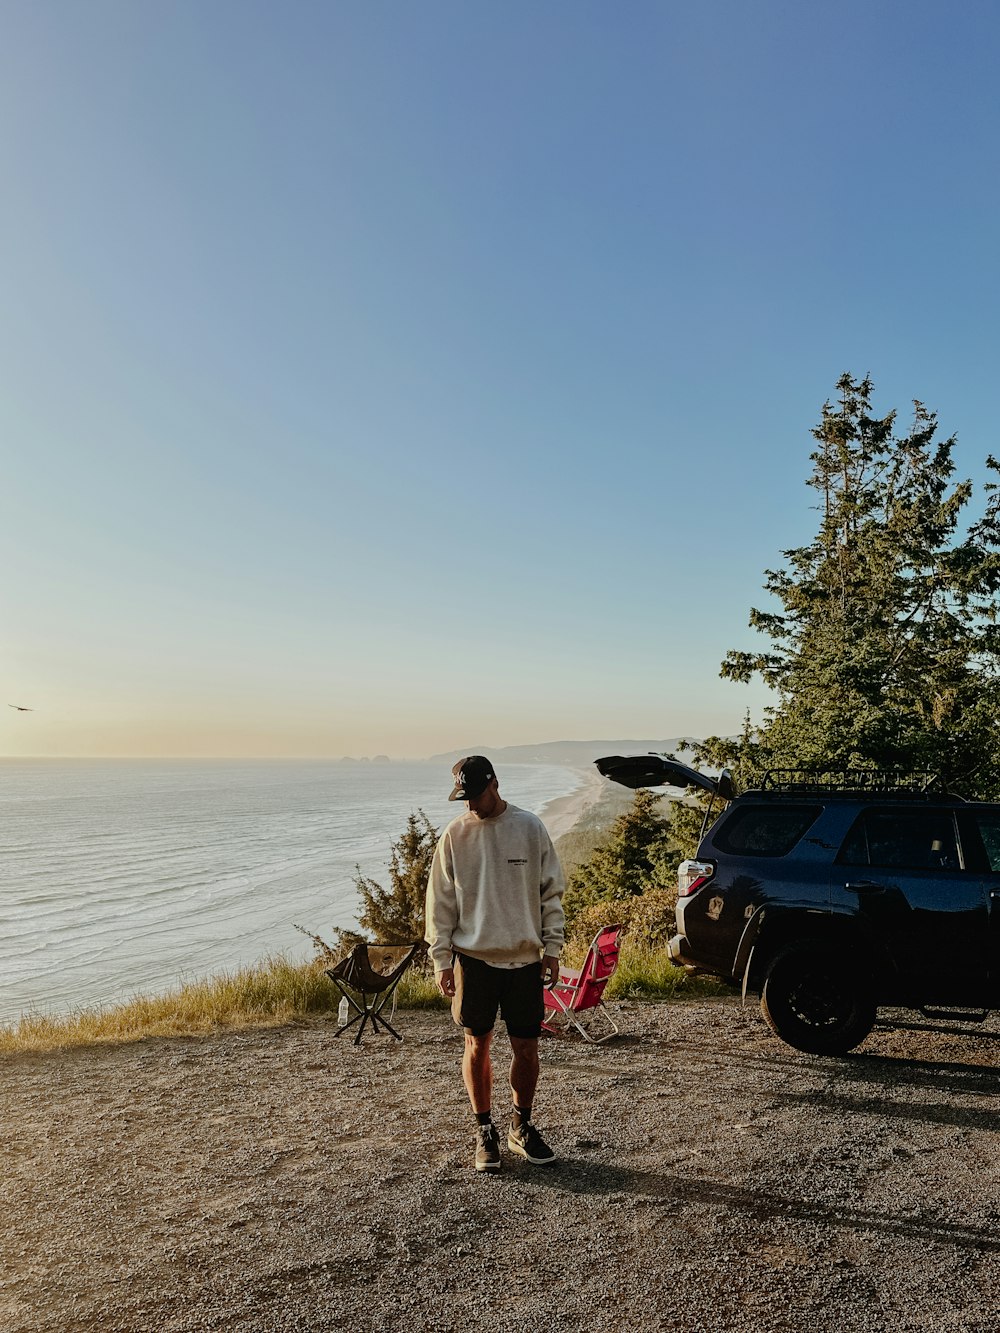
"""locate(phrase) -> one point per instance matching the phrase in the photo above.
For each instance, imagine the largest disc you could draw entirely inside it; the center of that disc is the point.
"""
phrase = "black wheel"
(816, 1001)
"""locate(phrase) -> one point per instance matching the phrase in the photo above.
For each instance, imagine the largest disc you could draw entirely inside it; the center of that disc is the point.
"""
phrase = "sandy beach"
(562, 814)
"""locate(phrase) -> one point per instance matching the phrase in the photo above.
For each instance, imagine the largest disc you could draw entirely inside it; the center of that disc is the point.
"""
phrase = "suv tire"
(812, 1002)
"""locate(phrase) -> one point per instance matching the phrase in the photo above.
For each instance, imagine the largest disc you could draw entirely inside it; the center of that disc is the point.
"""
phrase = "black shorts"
(481, 990)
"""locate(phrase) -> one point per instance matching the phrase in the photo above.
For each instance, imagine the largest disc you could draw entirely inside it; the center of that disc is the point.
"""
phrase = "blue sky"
(389, 378)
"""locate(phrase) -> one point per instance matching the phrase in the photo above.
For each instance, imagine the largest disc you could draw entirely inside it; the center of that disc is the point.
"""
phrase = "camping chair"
(372, 971)
(580, 991)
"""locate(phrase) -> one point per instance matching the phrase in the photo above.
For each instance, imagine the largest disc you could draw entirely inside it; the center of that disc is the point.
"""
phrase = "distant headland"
(577, 753)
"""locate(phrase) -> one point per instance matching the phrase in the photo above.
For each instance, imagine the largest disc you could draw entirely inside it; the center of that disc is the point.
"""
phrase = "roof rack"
(852, 781)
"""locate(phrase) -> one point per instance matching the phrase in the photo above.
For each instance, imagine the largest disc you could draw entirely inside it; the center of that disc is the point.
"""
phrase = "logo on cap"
(473, 775)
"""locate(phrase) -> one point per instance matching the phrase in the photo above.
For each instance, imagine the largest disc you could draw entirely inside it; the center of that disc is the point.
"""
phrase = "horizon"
(439, 756)
(383, 376)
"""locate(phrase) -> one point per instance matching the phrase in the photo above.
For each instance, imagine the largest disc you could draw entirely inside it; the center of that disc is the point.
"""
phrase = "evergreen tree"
(886, 650)
(395, 915)
(639, 854)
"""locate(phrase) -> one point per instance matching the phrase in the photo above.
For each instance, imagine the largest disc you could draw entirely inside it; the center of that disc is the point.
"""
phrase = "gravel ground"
(710, 1178)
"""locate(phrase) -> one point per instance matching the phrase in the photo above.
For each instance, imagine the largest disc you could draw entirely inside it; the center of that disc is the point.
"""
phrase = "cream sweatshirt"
(495, 891)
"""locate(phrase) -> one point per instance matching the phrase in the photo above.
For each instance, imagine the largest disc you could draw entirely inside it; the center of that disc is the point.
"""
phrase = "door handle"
(864, 886)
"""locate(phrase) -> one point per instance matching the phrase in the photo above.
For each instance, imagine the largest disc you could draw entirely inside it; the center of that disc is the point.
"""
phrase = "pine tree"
(395, 915)
(639, 854)
(886, 650)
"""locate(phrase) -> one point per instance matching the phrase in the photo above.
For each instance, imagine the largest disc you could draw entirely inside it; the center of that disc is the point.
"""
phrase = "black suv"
(829, 896)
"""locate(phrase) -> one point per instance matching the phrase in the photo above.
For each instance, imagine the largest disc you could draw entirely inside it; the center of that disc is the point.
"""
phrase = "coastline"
(570, 818)
(561, 815)
(144, 875)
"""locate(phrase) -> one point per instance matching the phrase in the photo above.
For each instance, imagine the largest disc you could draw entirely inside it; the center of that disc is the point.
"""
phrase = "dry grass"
(277, 991)
(273, 992)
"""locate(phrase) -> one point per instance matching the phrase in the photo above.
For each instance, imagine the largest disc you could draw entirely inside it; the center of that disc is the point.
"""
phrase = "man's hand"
(550, 970)
(446, 982)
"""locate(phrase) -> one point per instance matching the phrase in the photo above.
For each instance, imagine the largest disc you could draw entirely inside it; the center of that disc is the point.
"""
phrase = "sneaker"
(487, 1148)
(526, 1140)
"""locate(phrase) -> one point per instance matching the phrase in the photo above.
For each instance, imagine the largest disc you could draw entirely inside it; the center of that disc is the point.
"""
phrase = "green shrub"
(652, 918)
(648, 919)
(646, 973)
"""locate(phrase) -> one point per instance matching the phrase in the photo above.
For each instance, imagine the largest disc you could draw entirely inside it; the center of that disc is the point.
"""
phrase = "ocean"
(120, 877)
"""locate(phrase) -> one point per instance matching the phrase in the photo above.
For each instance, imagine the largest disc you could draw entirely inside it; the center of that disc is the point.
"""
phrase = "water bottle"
(342, 1012)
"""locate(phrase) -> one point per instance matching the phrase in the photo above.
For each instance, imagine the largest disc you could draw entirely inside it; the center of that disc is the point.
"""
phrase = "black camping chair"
(372, 971)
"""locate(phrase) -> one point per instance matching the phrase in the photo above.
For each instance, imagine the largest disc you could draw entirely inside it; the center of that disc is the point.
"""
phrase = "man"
(495, 928)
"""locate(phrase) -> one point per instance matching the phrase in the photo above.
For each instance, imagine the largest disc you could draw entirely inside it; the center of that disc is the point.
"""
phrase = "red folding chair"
(576, 1000)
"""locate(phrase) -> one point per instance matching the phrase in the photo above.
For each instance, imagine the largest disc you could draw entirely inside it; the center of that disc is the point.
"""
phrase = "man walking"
(495, 928)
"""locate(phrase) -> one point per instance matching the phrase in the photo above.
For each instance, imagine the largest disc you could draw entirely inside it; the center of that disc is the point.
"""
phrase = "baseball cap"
(472, 777)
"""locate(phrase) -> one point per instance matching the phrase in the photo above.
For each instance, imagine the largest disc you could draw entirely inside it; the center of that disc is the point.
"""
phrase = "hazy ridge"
(576, 753)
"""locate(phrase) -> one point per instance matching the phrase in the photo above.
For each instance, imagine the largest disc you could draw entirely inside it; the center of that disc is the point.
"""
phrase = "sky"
(391, 378)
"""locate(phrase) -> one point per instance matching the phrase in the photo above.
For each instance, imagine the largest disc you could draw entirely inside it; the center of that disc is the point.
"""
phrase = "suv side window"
(989, 829)
(764, 830)
(918, 839)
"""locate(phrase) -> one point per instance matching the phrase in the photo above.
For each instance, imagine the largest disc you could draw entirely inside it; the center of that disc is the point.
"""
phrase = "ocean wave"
(134, 874)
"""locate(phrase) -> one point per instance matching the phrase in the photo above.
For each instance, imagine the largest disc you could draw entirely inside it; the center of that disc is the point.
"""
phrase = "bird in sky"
(21, 708)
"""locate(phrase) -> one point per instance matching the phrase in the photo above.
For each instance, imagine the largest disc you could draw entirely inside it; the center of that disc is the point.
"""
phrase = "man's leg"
(477, 1074)
(474, 1008)
(524, 1071)
(522, 1010)
(524, 1138)
(477, 1071)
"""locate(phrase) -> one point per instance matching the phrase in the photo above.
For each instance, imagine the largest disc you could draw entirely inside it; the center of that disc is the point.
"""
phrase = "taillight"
(691, 875)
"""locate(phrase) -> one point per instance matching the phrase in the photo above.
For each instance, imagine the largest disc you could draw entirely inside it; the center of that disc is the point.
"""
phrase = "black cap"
(473, 775)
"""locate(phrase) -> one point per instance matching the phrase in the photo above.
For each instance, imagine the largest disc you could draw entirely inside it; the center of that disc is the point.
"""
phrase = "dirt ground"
(710, 1179)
